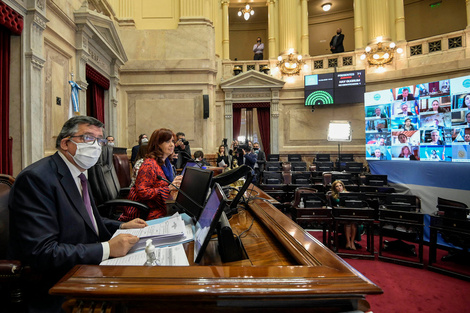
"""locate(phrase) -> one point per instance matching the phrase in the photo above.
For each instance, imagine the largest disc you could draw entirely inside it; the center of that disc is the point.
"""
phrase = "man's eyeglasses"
(91, 140)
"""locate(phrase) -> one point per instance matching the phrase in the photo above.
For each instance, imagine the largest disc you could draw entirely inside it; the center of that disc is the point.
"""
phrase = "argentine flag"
(74, 107)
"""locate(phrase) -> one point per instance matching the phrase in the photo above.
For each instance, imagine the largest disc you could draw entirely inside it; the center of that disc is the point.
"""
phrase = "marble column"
(358, 24)
(378, 17)
(400, 21)
(304, 50)
(273, 51)
(225, 30)
(228, 113)
(33, 105)
(191, 8)
(288, 25)
(467, 4)
(274, 122)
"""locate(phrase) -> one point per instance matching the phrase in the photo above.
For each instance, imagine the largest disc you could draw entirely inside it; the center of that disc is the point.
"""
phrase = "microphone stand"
(159, 177)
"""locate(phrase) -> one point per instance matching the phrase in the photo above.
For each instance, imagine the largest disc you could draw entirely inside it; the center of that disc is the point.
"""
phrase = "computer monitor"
(189, 164)
(322, 158)
(294, 158)
(376, 180)
(353, 200)
(301, 178)
(208, 221)
(324, 166)
(273, 157)
(298, 166)
(195, 184)
(314, 200)
(346, 157)
(346, 178)
(354, 167)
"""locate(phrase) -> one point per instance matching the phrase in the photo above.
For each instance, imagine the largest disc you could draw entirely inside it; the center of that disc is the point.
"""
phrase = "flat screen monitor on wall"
(429, 121)
(334, 88)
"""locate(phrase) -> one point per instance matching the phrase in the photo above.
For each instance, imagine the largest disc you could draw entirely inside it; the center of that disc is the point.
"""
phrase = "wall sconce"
(247, 11)
(237, 69)
(291, 65)
(265, 69)
(380, 54)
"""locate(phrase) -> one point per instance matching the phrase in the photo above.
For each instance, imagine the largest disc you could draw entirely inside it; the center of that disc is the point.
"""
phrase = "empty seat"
(298, 166)
(322, 158)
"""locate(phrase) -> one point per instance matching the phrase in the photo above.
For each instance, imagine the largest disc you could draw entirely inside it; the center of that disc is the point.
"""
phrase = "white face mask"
(144, 140)
(111, 144)
(86, 155)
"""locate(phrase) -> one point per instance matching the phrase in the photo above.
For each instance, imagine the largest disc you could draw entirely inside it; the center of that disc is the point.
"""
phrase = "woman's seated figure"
(148, 189)
(350, 229)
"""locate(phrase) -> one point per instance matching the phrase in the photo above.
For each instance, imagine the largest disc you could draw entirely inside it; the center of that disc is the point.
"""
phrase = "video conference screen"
(334, 88)
(426, 122)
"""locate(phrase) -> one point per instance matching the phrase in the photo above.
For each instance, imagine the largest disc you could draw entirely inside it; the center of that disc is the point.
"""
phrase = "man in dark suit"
(336, 43)
(54, 222)
(378, 113)
(260, 162)
(405, 95)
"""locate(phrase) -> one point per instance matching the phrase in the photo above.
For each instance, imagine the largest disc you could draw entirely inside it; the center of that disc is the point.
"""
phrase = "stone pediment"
(102, 32)
(252, 79)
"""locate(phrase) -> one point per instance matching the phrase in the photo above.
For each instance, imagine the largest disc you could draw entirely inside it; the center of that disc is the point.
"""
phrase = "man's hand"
(135, 223)
(121, 244)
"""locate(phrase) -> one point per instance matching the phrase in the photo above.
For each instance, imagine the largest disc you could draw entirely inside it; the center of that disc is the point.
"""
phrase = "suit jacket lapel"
(69, 186)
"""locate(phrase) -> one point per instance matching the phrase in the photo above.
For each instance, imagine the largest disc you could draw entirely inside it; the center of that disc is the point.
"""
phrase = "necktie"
(86, 198)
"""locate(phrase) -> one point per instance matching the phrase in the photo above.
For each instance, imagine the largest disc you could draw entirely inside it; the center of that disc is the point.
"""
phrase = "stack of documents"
(165, 231)
(167, 256)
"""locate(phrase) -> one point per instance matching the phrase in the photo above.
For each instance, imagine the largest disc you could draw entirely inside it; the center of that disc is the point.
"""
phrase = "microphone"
(200, 207)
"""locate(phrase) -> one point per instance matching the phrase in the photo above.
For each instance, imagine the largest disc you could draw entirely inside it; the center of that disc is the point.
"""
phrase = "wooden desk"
(286, 270)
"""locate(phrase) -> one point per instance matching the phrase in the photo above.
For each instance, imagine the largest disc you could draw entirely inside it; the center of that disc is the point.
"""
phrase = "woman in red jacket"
(148, 189)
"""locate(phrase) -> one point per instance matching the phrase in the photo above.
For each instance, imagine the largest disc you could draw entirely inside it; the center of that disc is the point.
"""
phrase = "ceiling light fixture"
(247, 11)
(326, 7)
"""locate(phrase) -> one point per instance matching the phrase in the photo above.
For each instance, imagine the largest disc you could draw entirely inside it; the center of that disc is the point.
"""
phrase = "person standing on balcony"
(336, 43)
(258, 49)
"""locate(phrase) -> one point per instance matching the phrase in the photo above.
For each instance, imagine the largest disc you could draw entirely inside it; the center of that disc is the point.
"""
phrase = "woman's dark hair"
(198, 154)
(158, 137)
(218, 151)
(143, 149)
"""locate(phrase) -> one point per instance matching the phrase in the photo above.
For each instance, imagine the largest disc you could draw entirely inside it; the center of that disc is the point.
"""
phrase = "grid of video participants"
(426, 122)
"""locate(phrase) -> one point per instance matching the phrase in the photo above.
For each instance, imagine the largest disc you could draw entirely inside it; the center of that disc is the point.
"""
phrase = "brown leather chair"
(286, 167)
(10, 270)
(122, 165)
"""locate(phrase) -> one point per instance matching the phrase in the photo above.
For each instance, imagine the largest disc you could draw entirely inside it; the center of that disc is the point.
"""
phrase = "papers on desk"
(166, 256)
(165, 231)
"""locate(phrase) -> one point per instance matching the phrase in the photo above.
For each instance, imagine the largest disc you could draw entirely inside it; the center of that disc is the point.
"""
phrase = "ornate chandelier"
(291, 65)
(380, 54)
(247, 11)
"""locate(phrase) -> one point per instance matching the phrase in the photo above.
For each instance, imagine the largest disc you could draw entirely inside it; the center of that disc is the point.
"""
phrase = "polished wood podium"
(286, 270)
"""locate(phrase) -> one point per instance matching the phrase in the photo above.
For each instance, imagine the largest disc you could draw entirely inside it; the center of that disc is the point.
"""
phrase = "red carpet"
(408, 289)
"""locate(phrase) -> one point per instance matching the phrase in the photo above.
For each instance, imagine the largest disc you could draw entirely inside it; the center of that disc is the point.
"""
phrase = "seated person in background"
(378, 113)
(148, 189)
(402, 138)
(435, 138)
(110, 140)
(54, 222)
(222, 156)
(407, 125)
(436, 107)
(466, 103)
(140, 159)
(349, 229)
(379, 155)
(199, 158)
(142, 139)
(467, 117)
(406, 96)
(404, 110)
(405, 152)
